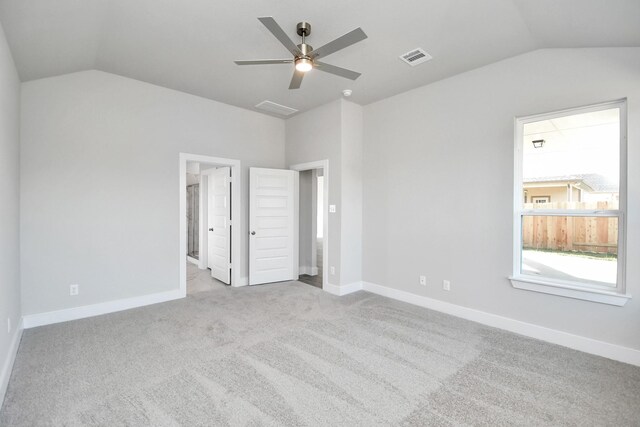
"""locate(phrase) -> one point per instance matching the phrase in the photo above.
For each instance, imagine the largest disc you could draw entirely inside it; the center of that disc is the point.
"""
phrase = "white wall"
(9, 211)
(438, 185)
(118, 240)
(192, 179)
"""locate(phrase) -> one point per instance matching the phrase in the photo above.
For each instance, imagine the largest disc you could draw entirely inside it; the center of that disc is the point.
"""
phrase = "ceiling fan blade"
(338, 71)
(279, 33)
(264, 61)
(296, 80)
(348, 39)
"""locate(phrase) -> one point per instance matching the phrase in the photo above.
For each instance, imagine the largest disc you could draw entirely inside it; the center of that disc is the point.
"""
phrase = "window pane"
(579, 248)
(572, 162)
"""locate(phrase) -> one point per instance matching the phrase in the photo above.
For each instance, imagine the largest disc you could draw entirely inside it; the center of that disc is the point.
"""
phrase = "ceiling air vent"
(415, 57)
(274, 108)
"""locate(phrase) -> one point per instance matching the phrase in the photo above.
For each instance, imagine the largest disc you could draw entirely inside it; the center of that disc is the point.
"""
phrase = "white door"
(219, 223)
(273, 225)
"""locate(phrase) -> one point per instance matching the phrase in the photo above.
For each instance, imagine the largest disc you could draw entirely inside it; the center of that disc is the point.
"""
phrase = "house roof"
(599, 183)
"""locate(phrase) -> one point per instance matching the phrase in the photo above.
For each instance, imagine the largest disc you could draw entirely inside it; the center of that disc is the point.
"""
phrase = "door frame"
(324, 165)
(236, 210)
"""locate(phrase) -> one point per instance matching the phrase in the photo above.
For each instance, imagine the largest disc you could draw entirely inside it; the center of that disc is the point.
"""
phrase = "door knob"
(211, 229)
(253, 233)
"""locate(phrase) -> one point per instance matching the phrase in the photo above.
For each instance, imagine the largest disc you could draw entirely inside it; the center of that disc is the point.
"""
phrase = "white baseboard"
(244, 281)
(305, 269)
(344, 289)
(332, 289)
(7, 367)
(48, 318)
(576, 342)
(193, 261)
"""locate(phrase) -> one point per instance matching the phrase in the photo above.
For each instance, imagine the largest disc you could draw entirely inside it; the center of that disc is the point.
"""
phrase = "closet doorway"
(313, 223)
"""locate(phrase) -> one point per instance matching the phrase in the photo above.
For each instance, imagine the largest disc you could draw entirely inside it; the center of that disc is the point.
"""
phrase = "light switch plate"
(332, 208)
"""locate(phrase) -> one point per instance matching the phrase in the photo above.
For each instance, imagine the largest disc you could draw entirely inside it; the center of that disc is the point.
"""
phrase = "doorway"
(313, 223)
(311, 227)
(193, 213)
(218, 237)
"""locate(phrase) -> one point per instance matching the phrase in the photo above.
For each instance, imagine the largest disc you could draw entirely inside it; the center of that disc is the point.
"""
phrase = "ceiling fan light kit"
(303, 65)
(304, 56)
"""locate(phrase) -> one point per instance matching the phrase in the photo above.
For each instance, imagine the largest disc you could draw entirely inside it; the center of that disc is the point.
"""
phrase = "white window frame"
(572, 289)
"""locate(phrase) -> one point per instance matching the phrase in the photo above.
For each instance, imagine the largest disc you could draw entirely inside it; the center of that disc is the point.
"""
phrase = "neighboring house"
(569, 188)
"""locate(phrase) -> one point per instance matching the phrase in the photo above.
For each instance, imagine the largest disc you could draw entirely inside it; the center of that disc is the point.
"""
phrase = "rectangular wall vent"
(272, 107)
(415, 57)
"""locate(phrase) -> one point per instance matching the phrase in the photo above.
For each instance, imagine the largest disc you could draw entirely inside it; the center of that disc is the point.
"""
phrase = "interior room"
(319, 213)
(311, 225)
(209, 212)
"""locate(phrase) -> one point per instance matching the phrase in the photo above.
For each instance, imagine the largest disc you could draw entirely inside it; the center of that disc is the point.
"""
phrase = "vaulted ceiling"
(190, 45)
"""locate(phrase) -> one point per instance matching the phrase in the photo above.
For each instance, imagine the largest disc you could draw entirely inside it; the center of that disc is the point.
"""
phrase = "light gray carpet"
(200, 280)
(290, 354)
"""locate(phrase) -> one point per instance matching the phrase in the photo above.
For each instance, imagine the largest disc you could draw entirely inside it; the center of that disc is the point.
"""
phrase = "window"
(541, 199)
(570, 201)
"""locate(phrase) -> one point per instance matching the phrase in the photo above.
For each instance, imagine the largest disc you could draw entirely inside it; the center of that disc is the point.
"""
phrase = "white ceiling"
(190, 45)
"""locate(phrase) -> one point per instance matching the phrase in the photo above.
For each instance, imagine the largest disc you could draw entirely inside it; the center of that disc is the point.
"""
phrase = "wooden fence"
(578, 234)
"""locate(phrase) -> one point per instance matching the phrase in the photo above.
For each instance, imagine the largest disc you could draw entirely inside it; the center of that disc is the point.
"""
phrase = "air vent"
(272, 107)
(415, 57)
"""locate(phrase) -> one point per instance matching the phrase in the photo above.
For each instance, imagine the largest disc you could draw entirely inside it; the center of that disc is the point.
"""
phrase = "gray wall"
(114, 239)
(351, 237)
(334, 132)
(316, 135)
(9, 204)
(438, 185)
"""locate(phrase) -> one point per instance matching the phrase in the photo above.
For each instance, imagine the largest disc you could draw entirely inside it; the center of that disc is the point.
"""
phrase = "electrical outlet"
(332, 208)
(446, 285)
(332, 270)
(73, 290)
(8, 325)
(423, 280)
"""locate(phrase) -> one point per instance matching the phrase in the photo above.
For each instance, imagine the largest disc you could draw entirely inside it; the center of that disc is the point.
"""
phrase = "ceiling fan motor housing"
(303, 29)
(305, 49)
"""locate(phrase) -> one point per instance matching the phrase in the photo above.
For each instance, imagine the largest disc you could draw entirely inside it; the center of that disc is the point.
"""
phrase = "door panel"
(273, 225)
(219, 258)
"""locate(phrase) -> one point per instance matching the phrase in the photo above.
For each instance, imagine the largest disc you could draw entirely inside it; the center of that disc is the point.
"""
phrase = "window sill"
(552, 288)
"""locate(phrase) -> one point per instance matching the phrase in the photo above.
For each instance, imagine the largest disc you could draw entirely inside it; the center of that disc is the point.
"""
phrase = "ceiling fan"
(305, 57)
